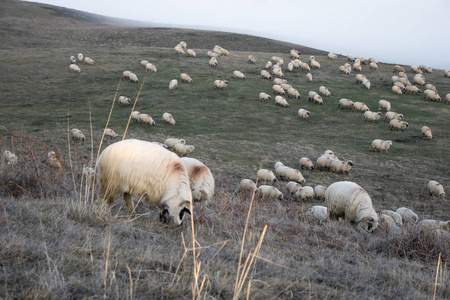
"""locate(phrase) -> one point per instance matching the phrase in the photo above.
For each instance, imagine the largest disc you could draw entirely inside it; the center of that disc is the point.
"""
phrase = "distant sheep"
(411, 89)
(396, 90)
(265, 75)
(268, 65)
(124, 101)
(80, 57)
(332, 56)
(110, 133)
(381, 145)
(171, 142)
(279, 81)
(290, 66)
(263, 97)
(73, 59)
(408, 216)
(146, 119)
(168, 118)
(238, 75)
(220, 84)
(294, 54)
(289, 174)
(315, 64)
(126, 74)
(395, 216)
(360, 78)
(286, 86)
(305, 67)
(10, 158)
(292, 187)
(303, 113)
(293, 93)
(435, 189)
(357, 67)
(201, 179)
(150, 68)
(373, 66)
(391, 115)
(366, 83)
(185, 77)
(324, 163)
(74, 68)
(360, 107)
(426, 69)
(431, 95)
(173, 84)
(89, 61)
(372, 116)
(341, 167)
(277, 72)
(317, 213)
(77, 135)
(398, 125)
(319, 192)
(426, 132)
(447, 98)
(324, 91)
(350, 57)
(265, 175)
(183, 149)
(306, 163)
(133, 78)
(178, 49)
(309, 77)
(144, 63)
(384, 105)
(304, 193)
(213, 62)
(183, 44)
(251, 59)
(398, 69)
(416, 69)
(430, 86)
(281, 101)
(277, 89)
(268, 191)
(345, 103)
(419, 79)
(434, 225)
(135, 116)
(191, 53)
(247, 185)
(344, 70)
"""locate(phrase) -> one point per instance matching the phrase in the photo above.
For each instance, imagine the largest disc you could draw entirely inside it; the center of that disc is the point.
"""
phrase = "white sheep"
(294, 54)
(264, 97)
(305, 67)
(411, 89)
(426, 69)
(89, 61)
(348, 200)
(431, 95)
(430, 86)
(171, 142)
(133, 78)
(281, 101)
(381, 145)
(306, 163)
(73, 59)
(265, 175)
(405, 81)
(9, 157)
(388, 224)
(277, 89)
(135, 116)
(416, 69)
(372, 116)
(277, 72)
(304, 193)
(400, 85)
(366, 83)
(213, 62)
(183, 44)
(279, 81)
(394, 215)
(278, 164)
(324, 162)
(80, 57)
(268, 191)
(371, 59)
(290, 66)
(384, 104)
(317, 213)
(341, 167)
(314, 64)
(110, 133)
(357, 67)
(311, 95)
(289, 174)
(293, 93)
(434, 225)
(426, 132)
(286, 86)
(74, 68)
(238, 74)
(251, 59)
(201, 179)
(408, 216)
(292, 187)
(185, 77)
(191, 53)
(149, 171)
(146, 119)
(318, 99)
(319, 192)
(126, 74)
(419, 79)
(144, 63)
(178, 49)
(435, 189)
(390, 115)
(183, 149)
(332, 56)
(398, 69)
(309, 77)
(344, 70)
(397, 124)
(150, 68)
(359, 106)
(124, 101)
(268, 65)
(447, 98)
(350, 57)
(173, 84)
(220, 84)
(77, 135)
(303, 113)
(265, 75)
(360, 78)
(345, 103)
(53, 160)
(373, 66)
(168, 118)
(324, 91)
(396, 90)
(247, 185)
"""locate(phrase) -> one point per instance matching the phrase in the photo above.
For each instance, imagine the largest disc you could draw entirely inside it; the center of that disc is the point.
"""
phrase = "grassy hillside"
(61, 237)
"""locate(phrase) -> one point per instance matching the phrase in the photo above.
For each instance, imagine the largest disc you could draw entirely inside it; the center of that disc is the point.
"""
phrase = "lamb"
(381, 145)
(146, 119)
(201, 179)
(220, 84)
(324, 91)
(390, 115)
(171, 142)
(398, 69)
(135, 116)
(247, 185)
(183, 149)
(396, 90)
(173, 84)
(373, 66)
(277, 89)
(149, 171)
(306, 163)
(383, 104)
(395, 216)
(372, 116)
(292, 187)
(293, 93)
(80, 57)
(360, 78)
(419, 79)
(359, 106)
(9, 157)
(263, 97)
(265, 175)
(268, 191)
(288, 173)
(303, 113)
(398, 125)
(213, 62)
(426, 132)
(168, 118)
(238, 74)
(332, 56)
(265, 75)
(110, 133)
(431, 95)
(77, 135)
(133, 78)
(185, 77)
(341, 167)
(124, 101)
(251, 59)
(191, 53)
(281, 101)
(345, 103)
(73, 59)
(344, 70)
(435, 189)
(319, 192)
(150, 67)
(309, 77)
(317, 213)
(411, 89)
(304, 193)
(89, 61)
(408, 216)
(366, 83)
(74, 68)
(346, 199)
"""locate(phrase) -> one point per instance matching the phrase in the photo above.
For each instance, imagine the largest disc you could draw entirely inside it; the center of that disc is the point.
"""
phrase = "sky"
(410, 32)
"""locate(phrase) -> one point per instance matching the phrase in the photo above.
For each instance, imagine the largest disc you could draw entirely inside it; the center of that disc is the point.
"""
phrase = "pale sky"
(410, 32)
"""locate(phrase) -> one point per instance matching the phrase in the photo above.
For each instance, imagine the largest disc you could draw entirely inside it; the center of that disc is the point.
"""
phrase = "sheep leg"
(128, 202)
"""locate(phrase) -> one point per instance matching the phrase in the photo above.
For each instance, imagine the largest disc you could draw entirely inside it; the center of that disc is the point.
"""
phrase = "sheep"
(251, 59)
(304, 193)
(290, 66)
(185, 77)
(77, 135)
(366, 83)
(183, 149)
(213, 62)
(220, 84)
(149, 171)
(447, 98)
(411, 89)
(408, 216)
(434, 225)
(398, 69)
(191, 53)
(371, 59)
(178, 49)
(315, 64)
(400, 85)
(435, 189)
(360, 78)
(311, 95)
(309, 77)
(263, 97)
(124, 101)
(357, 67)
(405, 81)
(344, 70)
(281, 101)
(361, 60)
(80, 57)
(74, 68)
(416, 69)
(279, 81)
(293, 93)
(277, 72)
(247, 185)
(319, 192)
(89, 61)
(341, 167)
(292, 187)
(277, 89)
(384, 104)
(360, 107)
(430, 86)
(388, 224)
(135, 116)
(394, 215)
(275, 59)
(183, 44)
(288, 173)
(372, 116)
(306, 163)
(265, 75)
(419, 79)
(317, 213)
(126, 74)
(305, 67)
(330, 154)
(350, 57)
(431, 95)
(373, 66)
(133, 78)
(286, 86)
(402, 75)
(426, 132)
(278, 164)
(110, 133)
(238, 74)
(217, 49)
(201, 179)
(390, 115)
(144, 63)
(173, 84)
(447, 73)
(324, 91)
(318, 99)
(426, 69)
(265, 175)
(10, 158)
(303, 113)
(332, 56)
(324, 162)
(348, 200)
(168, 118)
(212, 54)
(294, 53)
(150, 67)
(397, 124)
(381, 145)
(394, 79)
(146, 119)
(268, 191)
(268, 65)
(345, 103)
(396, 90)
(73, 59)
(224, 51)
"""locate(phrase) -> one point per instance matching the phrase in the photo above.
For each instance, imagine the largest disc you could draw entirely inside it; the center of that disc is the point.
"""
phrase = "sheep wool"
(317, 213)
(426, 132)
(168, 118)
(77, 135)
(74, 68)
(171, 142)
(319, 192)
(394, 215)
(173, 84)
(408, 215)
(146, 119)
(435, 189)
(304, 193)
(201, 179)
(381, 145)
(306, 163)
(265, 175)
(247, 185)
(268, 192)
(110, 133)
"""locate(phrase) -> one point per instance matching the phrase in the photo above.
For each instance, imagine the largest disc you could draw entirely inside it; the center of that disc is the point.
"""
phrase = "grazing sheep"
(405, 81)
(319, 192)
(318, 99)
(292, 187)
(146, 119)
(357, 67)
(397, 124)
(332, 56)
(135, 116)
(265, 175)
(359, 106)
(305, 67)
(268, 65)
(265, 75)
(324, 162)
(289, 174)
(126, 74)
(277, 89)
(411, 89)
(89, 61)
(268, 191)
(251, 59)
(408, 216)
(277, 72)
(447, 98)
(144, 63)
(247, 185)
(324, 91)
(173, 84)
(290, 66)
(306, 163)
(171, 142)
(435, 189)
(419, 79)
(110, 133)
(133, 78)
(309, 77)
(398, 69)
(303, 113)
(74, 68)
(213, 62)
(344, 70)
(80, 57)
(294, 53)
(396, 90)
(383, 104)
(360, 78)
(361, 60)
(201, 179)
(278, 164)
(388, 224)
(366, 83)
(391, 115)
(350, 57)
(373, 66)
(279, 81)
(263, 97)
(341, 167)
(286, 86)
(371, 59)
(183, 44)
(431, 95)
(345, 103)
(394, 215)
(426, 132)
(73, 59)
(381, 145)
(183, 149)
(400, 85)
(9, 157)
(304, 193)
(281, 101)
(124, 101)
(430, 86)
(317, 213)
(434, 225)
(426, 69)
(77, 135)
(416, 69)
(185, 77)
(238, 74)
(168, 118)
(191, 53)
(311, 95)
(150, 67)
(315, 64)
(220, 84)
(372, 116)
(178, 49)
(346, 199)
(293, 93)
(149, 171)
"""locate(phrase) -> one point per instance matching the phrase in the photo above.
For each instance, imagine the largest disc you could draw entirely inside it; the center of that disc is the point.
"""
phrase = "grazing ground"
(57, 242)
